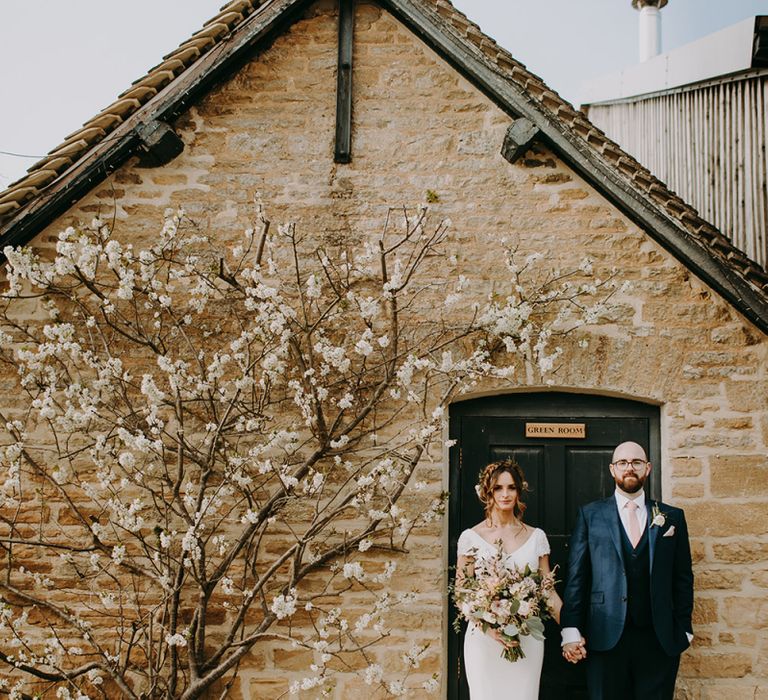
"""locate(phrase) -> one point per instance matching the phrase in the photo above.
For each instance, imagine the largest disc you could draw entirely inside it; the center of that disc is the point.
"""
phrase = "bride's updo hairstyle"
(488, 478)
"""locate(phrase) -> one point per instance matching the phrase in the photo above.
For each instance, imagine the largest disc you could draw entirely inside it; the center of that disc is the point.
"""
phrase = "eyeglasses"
(636, 464)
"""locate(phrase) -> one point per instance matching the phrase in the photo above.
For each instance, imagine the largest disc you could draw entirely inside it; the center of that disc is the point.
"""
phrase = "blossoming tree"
(208, 445)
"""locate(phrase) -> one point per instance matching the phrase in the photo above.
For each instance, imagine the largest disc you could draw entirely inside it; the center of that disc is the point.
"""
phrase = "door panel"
(586, 474)
(562, 475)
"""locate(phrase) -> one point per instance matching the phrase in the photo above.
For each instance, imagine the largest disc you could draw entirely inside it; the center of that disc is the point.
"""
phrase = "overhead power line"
(19, 155)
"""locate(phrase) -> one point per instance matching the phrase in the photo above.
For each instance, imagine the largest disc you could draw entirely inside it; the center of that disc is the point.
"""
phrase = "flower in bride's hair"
(478, 490)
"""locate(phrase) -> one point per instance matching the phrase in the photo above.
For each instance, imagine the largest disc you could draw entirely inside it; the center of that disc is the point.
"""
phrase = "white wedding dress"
(491, 677)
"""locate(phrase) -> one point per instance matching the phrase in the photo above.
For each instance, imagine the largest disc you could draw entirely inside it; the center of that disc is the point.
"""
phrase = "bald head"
(629, 451)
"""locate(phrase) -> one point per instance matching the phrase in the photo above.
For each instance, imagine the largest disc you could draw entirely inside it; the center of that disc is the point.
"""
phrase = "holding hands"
(575, 651)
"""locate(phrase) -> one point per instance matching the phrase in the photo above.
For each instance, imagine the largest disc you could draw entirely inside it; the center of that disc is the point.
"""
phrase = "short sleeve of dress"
(542, 543)
(465, 544)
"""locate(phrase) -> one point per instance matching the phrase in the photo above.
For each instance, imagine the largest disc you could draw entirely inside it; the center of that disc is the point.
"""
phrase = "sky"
(62, 61)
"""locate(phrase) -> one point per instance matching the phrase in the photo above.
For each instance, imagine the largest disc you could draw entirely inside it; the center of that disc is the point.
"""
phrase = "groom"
(629, 588)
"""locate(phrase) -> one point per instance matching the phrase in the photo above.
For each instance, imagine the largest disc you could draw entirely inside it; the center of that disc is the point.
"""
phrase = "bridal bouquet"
(512, 601)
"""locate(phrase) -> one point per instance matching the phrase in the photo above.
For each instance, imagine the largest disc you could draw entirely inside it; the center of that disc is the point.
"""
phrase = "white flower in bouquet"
(512, 601)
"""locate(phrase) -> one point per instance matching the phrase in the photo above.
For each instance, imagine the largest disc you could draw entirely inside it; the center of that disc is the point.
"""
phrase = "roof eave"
(123, 142)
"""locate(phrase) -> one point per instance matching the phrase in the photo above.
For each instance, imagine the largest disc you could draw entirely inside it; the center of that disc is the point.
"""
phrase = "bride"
(488, 674)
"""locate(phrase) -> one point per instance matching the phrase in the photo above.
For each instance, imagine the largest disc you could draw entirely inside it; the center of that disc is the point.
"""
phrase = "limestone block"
(746, 639)
(168, 178)
(736, 334)
(686, 689)
(738, 475)
(743, 423)
(698, 439)
(704, 610)
(698, 551)
(688, 490)
(741, 551)
(748, 396)
(267, 688)
(748, 691)
(716, 665)
(686, 466)
(704, 639)
(723, 579)
(711, 518)
(751, 613)
(292, 659)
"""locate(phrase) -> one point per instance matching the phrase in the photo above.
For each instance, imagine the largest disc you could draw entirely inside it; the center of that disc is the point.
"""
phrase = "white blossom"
(284, 605)
(339, 442)
(373, 674)
(354, 570)
(431, 685)
(175, 640)
(118, 554)
(314, 290)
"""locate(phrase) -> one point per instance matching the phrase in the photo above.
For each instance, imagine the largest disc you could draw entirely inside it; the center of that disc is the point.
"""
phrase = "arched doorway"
(563, 474)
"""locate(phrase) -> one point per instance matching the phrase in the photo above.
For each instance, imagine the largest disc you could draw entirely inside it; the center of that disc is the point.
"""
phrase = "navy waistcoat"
(637, 566)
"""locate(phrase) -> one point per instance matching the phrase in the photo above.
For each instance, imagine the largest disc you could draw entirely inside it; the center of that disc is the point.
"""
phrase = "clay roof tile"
(40, 178)
(141, 93)
(157, 79)
(85, 134)
(8, 207)
(18, 194)
(105, 120)
(628, 167)
(227, 18)
(53, 162)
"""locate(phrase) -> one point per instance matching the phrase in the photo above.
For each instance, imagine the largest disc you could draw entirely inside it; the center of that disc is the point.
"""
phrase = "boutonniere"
(657, 517)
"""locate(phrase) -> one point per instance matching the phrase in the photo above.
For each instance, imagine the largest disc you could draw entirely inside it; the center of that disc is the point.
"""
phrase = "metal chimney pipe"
(650, 27)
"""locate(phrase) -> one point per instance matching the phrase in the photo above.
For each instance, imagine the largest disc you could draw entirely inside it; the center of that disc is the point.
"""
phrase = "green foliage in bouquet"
(495, 595)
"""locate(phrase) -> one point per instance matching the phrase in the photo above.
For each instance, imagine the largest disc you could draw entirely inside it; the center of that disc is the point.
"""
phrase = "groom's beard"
(630, 483)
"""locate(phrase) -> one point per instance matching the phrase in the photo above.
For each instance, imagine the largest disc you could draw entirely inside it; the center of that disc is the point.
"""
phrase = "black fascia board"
(510, 98)
(23, 230)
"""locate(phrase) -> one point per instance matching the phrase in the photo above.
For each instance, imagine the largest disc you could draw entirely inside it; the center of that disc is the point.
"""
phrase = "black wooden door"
(562, 475)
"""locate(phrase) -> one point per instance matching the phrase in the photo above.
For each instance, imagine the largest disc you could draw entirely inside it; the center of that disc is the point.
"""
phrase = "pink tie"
(634, 528)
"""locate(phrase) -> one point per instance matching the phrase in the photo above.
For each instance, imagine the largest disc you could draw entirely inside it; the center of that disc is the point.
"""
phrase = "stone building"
(429, 106)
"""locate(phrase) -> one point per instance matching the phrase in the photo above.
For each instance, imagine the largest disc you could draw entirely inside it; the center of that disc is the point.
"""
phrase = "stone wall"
(419, 127)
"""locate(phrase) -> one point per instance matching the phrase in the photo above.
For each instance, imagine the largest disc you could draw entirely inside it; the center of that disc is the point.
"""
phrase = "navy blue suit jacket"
(595, 597)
